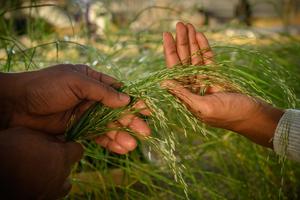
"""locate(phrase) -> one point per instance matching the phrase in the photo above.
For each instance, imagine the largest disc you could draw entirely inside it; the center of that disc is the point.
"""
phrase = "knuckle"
(194, 43)
(100, 76)
(109, 91)
(109, 94)
(183, 43)
(81, 66)
(72, 77)
(172, 51)
(66, 67)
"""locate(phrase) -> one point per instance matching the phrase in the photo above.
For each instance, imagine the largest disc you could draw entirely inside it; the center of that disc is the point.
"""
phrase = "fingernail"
(117, 85)
(178, 23)
(124, 97)
(165, 34)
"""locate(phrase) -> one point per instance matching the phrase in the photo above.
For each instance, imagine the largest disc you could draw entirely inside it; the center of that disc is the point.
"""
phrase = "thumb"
(190, 99)
(92, 90)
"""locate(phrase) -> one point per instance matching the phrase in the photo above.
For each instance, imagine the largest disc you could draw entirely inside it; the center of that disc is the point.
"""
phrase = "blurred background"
(67, 17)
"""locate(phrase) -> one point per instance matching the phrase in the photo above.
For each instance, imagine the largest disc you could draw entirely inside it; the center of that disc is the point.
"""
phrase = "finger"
(196, 56)
(206, 51)
(214, 89)
(116, 148)
(182, 93)
(55, 123)
(136, 124)
(103, 140)
(142, 108)
(111, 145)
(73, 152)
(182, 43)
(170, 50)
(124, 139)
(89, 89)
(104, 78)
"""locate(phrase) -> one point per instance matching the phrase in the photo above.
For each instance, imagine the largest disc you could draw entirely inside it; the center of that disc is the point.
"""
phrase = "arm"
(240, 113)
(46, 100)
(250, 117)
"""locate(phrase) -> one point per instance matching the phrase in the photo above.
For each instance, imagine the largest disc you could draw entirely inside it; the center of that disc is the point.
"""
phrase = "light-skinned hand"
(240, 113)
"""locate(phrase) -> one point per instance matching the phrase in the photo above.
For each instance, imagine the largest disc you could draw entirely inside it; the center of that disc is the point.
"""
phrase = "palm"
(217, 109)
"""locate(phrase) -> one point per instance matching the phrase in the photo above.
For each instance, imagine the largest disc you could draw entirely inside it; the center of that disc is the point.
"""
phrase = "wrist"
(261, 126)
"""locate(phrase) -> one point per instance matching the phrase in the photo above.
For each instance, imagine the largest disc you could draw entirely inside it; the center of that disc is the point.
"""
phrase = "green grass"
(208, 163)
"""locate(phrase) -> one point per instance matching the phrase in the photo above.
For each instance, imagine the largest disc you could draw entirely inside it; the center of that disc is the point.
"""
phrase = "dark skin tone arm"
(248, 116)
(36, 108)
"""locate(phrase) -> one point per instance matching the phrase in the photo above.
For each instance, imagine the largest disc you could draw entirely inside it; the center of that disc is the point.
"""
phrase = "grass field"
(183, 159)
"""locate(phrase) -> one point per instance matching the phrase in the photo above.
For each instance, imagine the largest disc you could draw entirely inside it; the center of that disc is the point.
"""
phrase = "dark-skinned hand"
(35, 165)
(45, 100)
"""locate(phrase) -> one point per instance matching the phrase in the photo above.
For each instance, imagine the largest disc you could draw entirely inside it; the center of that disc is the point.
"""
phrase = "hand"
(120, 141)
(246, 115)
(35, 165)
(46, 100)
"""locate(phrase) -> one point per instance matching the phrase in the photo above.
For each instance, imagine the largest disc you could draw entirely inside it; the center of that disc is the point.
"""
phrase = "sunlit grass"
(208, 163)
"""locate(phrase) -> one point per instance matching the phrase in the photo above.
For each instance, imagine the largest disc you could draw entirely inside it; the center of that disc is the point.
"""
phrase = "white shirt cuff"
(286, 141)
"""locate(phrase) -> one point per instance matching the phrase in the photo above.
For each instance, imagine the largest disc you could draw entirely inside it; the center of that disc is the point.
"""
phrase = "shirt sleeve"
(286, 141)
